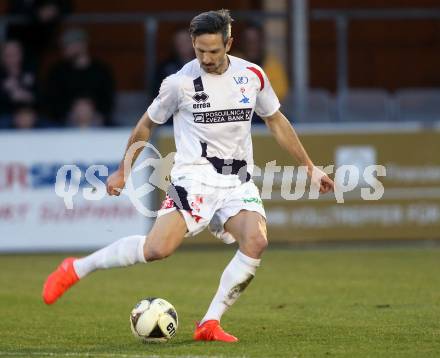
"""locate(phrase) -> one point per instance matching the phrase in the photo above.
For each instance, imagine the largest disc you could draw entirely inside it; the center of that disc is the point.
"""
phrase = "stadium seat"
(364, 105)
(418, 104)
(129, 107)
(319, 107)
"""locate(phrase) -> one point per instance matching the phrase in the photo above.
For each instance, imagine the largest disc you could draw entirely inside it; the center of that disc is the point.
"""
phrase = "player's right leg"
(166, 235)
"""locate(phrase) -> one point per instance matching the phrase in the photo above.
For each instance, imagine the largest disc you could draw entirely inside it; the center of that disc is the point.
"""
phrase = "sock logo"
(238, 289)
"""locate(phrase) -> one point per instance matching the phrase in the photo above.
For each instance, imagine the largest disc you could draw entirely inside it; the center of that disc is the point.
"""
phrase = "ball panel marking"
(154, 320)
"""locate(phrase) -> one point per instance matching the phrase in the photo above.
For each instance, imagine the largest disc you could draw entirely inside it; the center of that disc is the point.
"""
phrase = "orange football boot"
(59, 281)
(212, 331)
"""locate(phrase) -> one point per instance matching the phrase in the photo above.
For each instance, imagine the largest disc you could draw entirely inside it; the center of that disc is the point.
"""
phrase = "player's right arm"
(141, 133)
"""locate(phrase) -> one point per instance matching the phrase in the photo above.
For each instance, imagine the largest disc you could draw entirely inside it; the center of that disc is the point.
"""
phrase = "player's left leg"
(249, 229)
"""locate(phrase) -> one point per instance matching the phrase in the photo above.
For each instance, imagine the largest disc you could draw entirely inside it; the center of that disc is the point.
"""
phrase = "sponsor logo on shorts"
(195, 204)
(224, 116)
(253, 200)
(168, 203)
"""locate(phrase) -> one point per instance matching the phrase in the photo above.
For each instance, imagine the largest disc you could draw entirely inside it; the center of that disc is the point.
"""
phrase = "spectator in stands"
(252, 47)
(78, 76)
(17, 82)
(42, 20)
(84, 115)
(25, 117)
(182, 53)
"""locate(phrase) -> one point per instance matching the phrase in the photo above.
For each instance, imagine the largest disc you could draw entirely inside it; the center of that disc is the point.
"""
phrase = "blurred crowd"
(78, 90)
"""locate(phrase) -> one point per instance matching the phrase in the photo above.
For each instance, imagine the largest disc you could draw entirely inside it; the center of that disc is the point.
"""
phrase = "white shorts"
(204, 206)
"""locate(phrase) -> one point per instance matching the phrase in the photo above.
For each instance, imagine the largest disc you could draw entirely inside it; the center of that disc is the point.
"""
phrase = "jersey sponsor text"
(224, 116)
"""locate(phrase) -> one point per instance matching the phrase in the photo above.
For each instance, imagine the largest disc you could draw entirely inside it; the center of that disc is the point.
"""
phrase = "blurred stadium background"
(360, 80)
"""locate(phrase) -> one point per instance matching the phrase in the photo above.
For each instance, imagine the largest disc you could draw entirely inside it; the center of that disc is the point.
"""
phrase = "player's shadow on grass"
(186, 342)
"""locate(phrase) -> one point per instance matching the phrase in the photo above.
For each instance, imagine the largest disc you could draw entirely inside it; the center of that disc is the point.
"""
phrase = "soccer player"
(212, 100)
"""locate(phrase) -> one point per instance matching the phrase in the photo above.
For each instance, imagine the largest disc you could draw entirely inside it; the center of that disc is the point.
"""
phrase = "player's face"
(211, 52)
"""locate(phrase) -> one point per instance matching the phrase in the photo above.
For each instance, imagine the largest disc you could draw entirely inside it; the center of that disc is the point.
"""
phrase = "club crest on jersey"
(201, 98)
(242, 80)
(244, 99)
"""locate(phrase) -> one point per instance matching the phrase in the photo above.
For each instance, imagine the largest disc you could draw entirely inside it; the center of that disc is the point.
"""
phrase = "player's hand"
(326, 185)
(115, 183)
(321, 179)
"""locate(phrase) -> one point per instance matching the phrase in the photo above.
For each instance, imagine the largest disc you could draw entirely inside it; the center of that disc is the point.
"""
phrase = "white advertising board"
(34, 218)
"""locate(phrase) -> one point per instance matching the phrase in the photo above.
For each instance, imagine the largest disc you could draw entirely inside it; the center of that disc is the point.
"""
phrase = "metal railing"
(150, 21)
(342, 19)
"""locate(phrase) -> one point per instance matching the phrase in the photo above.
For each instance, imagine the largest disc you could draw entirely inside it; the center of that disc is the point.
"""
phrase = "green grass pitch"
(324, 303)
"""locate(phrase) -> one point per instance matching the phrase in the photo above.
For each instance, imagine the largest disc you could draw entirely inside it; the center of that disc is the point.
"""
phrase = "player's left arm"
(287, 138)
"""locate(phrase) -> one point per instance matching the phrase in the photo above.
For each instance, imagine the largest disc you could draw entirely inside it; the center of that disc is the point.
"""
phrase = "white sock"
(235, 278)
(124, 252)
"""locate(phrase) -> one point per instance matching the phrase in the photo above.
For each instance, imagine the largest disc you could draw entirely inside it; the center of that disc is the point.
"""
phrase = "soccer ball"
(154, 320)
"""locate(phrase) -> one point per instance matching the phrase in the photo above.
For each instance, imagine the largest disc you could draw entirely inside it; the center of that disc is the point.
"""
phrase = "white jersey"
(212, 119)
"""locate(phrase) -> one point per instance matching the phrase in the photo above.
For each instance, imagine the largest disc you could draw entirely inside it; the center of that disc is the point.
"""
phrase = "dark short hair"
(212, 22)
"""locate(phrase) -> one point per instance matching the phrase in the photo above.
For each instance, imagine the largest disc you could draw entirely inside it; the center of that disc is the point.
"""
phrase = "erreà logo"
(200, 97)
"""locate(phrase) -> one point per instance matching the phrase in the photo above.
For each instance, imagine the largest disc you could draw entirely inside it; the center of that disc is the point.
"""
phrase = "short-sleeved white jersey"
(212, 118)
